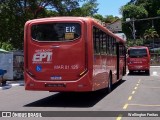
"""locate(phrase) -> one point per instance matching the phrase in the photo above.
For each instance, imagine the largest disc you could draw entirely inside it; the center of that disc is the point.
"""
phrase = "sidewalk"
(10, 84)
(155, 66)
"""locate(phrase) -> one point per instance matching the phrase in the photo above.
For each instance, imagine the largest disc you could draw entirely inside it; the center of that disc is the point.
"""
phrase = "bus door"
(118, 58)
(56, 51)
(121, 60)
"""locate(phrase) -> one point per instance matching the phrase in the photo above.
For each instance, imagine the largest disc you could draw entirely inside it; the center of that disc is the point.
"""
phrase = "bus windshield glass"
(56, 31)
(135, 53)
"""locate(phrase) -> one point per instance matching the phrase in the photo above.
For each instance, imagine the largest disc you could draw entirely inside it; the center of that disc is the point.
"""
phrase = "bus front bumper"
(138, 67)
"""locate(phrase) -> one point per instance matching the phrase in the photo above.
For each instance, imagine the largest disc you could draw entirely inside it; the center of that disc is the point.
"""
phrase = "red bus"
(138, 59)
(75, 54)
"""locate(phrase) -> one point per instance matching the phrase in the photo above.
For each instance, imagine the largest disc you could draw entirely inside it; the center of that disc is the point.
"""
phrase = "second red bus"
(138, 59)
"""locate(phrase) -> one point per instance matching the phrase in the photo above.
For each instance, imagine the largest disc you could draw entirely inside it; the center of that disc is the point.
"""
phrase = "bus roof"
(69, 18)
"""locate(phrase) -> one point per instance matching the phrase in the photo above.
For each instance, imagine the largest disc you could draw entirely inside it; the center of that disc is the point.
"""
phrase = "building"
(115, 27)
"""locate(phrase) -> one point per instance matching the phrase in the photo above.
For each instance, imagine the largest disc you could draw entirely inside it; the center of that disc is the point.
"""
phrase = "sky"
(111, 7)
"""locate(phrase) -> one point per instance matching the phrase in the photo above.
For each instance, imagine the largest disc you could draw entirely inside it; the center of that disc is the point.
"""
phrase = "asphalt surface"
(136, 95)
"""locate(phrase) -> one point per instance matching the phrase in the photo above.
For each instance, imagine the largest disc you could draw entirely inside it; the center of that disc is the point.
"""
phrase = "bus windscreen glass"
(56, 31)
(136, 53)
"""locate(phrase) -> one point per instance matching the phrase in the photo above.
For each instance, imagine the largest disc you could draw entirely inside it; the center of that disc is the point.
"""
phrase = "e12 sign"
(70, 29)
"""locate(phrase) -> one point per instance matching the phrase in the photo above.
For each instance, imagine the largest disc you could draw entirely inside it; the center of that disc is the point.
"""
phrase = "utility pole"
(131, 21)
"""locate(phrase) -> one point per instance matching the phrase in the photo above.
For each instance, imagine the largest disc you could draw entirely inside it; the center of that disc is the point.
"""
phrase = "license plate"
(138, 67)
(55, 85)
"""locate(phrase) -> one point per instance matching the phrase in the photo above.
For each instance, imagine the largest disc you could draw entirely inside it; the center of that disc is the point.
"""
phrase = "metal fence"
(155, 59)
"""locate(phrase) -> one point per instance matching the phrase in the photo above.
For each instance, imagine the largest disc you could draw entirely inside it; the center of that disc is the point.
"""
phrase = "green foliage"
(6, 46)
(139, 9)
(14, 14)
(152, 6)
(110, 18)
(98, 16)
(89, 8)
(157, 51)
(137, 42)
(133, 11)
(150, 34)
(107, 18)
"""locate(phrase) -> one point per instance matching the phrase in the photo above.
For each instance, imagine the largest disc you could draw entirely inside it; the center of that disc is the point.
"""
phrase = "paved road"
(136, 92)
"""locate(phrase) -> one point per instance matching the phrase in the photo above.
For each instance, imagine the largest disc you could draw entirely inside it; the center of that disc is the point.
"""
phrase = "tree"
(10, 25)
(151, 34)
(153, 9)
(110, 18)
(133, 11)
(137, 42)
(98, 16)
(65, 7)
(152, 6)
(14, 14)
(89, 8)
(6, 46)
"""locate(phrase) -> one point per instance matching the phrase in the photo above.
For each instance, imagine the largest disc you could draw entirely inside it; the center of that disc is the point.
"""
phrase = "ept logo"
(42, 57)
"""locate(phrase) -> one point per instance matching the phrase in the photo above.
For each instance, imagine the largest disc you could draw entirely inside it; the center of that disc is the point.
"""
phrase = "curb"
(155, 66)
(8, 86)
(5, 87)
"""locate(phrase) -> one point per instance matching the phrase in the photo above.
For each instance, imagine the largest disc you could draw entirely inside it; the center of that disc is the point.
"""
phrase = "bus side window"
(107, 44)
(114, 46)
(110, 45)
(96, 40)
(104, 43)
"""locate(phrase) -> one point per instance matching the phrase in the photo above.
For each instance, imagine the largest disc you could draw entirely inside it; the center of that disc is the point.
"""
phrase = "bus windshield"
(56, 31)
(135, 53)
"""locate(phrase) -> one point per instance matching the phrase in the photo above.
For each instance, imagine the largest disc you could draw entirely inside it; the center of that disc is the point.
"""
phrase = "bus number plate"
(55, 85)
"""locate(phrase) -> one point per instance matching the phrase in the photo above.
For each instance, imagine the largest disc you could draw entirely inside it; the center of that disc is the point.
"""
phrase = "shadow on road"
(138, 74)
(72, 99)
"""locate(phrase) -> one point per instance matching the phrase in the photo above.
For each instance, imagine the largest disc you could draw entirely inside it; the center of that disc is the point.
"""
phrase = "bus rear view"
(55, 55)
(138, 59)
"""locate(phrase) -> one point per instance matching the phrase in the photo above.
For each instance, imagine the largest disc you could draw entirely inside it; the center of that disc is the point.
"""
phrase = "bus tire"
(124, 72)
(130, 71)
(147, 72)
(109, 83)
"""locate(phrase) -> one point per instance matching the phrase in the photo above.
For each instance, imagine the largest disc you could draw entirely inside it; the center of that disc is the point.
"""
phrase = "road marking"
(125, 106)
(119, 117)
(154, 73)
(130, 97)
(133, 92)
